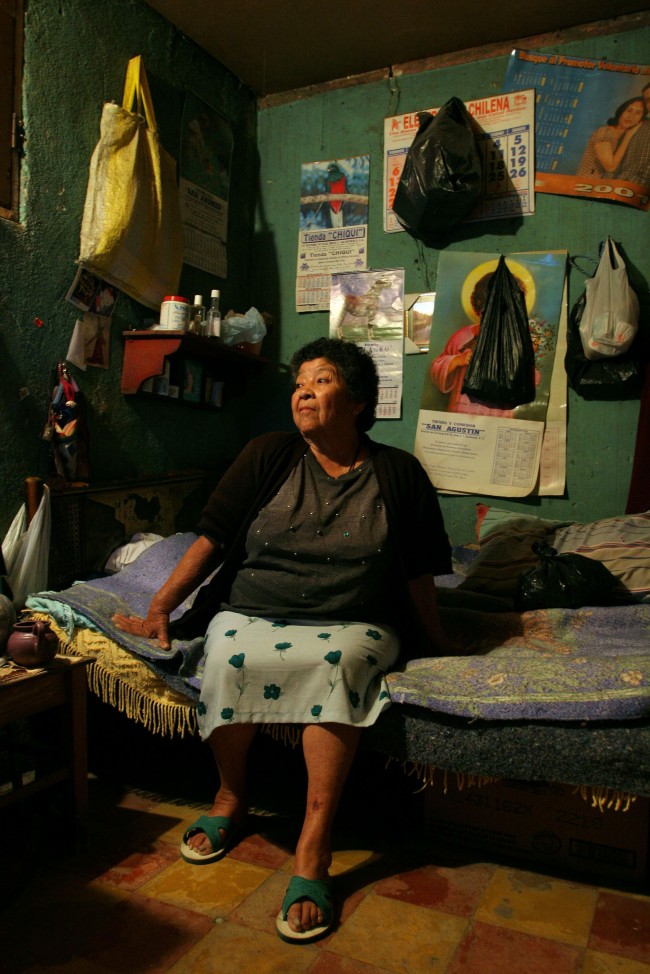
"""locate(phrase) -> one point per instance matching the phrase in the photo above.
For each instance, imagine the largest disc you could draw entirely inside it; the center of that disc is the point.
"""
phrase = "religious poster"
(333, 235)
(368, 308)
(204, 185)
(592, 126)
(473, 447)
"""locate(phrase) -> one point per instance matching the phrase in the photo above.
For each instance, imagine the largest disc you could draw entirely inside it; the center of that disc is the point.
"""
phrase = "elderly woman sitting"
(328, 544)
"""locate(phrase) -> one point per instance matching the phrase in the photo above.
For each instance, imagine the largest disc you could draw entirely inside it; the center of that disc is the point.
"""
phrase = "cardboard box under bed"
(544, 823)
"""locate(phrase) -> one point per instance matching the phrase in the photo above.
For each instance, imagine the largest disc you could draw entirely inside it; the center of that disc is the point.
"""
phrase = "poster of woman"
(592, 125)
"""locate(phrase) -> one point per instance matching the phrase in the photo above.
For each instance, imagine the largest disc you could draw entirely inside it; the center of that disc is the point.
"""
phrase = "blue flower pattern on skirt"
(290, 681)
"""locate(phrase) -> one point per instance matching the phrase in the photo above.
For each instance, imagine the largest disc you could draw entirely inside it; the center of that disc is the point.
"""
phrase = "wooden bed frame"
(91, 521)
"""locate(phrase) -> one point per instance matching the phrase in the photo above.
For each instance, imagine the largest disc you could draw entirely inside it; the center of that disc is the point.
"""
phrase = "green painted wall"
(75, 58)
(349, 122)
(76, 52)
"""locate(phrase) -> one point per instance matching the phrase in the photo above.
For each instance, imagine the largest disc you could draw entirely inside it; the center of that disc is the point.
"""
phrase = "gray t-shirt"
(318, 549)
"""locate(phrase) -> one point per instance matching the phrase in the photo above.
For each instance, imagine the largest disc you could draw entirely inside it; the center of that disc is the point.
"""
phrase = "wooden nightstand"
(26, 693)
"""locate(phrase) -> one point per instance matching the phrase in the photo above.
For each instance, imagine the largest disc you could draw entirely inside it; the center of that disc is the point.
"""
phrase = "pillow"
(505, 549)
(128, 552)
(489, 519)
(621, 543)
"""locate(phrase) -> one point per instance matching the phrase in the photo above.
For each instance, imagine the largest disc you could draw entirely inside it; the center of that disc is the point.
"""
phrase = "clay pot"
(32, 644)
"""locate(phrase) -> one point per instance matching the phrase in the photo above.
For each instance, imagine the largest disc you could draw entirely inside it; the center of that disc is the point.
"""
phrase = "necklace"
(356, 454)
(332, 476)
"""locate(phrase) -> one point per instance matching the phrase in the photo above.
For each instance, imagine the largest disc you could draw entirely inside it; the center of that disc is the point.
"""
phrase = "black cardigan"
(413, 513)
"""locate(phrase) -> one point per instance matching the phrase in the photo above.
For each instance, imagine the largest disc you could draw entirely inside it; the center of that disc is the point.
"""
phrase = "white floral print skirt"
(274, 671)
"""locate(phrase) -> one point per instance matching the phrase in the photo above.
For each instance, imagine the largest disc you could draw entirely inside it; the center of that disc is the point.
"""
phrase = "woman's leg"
(329, 750)
(230, 744)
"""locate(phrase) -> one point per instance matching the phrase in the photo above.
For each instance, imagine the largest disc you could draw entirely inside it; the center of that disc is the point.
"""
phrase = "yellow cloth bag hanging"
(131, 231)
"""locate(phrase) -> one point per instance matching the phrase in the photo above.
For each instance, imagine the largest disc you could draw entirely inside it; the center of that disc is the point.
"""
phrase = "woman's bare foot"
(228, 808)
(304, 914)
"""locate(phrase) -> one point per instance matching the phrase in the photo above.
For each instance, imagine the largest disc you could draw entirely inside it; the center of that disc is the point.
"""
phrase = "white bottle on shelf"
(213, 320)
(197, 316)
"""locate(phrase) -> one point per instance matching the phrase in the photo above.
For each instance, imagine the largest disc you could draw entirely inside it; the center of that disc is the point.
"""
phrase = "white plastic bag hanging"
(611, 316)
(26, 551)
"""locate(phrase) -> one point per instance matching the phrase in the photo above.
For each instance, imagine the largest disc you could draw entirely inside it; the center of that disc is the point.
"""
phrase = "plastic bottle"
(197, 316)
(213, 320)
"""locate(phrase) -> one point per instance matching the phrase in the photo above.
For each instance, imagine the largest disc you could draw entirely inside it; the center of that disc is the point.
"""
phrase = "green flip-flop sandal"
(211, 825)
(319, 891)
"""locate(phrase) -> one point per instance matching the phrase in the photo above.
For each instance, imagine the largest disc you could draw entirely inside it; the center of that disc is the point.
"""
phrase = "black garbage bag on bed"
(566, 581)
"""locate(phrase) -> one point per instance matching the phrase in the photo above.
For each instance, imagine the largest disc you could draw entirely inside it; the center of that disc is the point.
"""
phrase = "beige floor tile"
(213, 889)
(262, 906)
(231, 948)
(539, 905)
(347, 860)
(398, 936)
(597, 963)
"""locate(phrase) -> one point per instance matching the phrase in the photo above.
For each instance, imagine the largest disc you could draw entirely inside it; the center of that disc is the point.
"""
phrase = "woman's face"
(632, 115)
(320, 402)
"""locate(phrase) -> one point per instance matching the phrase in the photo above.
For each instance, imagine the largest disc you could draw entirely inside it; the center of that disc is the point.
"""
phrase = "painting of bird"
(337, 183)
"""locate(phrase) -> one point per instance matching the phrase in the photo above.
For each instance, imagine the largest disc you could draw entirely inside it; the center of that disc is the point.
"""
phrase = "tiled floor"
(127, 903)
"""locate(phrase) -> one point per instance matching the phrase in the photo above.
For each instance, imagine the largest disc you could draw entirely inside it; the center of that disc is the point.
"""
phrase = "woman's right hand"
(155, 626)
(201, 558)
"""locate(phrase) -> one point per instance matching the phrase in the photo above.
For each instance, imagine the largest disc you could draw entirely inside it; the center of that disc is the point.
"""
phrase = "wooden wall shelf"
(145, 353)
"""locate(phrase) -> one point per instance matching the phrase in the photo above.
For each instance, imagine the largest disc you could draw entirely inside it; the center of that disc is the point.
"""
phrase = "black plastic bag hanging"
(566, 581)
(442, 177)
(501, 371)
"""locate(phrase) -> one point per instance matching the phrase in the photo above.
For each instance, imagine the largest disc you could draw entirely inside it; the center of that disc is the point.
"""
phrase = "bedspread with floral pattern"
(552, 664)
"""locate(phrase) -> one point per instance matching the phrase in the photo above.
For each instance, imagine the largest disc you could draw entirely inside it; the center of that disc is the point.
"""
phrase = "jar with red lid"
(174, 313)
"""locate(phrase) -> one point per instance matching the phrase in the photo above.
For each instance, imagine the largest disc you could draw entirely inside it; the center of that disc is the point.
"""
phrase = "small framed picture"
(192, 379)
(418, 321)
(91, 293)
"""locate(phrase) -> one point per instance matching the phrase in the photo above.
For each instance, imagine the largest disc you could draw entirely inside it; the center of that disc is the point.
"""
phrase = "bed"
(559, 695)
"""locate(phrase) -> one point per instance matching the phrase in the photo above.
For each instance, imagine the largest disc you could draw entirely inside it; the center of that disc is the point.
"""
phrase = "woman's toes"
(200, 843)
(295, 921)
(304, 916)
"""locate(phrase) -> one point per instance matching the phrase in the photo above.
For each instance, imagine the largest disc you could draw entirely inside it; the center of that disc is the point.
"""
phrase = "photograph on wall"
(90, 343)
(368, 308)
(333, 235)
(204, 185)
(505, 135)
(90, 293)
(592, 126)
(475, 447)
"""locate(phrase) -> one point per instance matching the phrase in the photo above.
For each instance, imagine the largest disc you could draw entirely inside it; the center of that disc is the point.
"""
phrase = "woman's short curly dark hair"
(355, 366)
